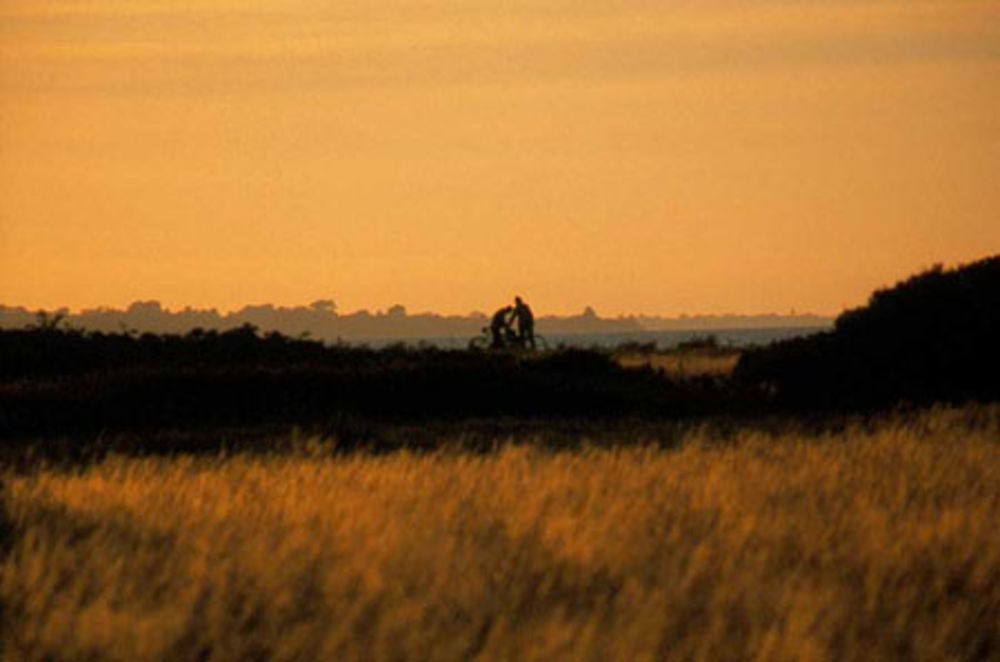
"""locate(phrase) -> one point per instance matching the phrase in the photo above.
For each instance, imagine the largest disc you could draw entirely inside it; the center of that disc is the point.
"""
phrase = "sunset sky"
(639, 156)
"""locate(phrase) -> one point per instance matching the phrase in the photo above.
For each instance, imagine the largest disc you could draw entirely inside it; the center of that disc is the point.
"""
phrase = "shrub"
(933, 337)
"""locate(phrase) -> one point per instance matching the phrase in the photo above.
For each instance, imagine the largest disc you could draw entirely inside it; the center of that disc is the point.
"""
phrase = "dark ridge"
(934, 337)
(69, 383)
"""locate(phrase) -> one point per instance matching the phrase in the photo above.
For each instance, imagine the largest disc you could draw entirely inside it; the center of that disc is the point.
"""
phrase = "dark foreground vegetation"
(58, 382)
(932, 338)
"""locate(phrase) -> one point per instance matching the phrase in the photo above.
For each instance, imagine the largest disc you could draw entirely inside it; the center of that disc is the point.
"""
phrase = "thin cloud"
(221, 52)
(219, 47)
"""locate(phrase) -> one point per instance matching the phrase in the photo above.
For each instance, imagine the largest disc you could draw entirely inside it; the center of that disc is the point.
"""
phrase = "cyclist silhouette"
(500, 327)
(525, 322)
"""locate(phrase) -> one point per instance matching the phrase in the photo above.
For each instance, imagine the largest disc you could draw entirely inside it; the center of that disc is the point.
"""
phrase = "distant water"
(736, 338)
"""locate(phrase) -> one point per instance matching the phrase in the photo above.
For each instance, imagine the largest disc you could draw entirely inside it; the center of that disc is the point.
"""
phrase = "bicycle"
(509, 340)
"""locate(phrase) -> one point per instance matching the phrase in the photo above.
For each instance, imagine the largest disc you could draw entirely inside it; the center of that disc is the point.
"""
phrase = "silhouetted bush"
(931, 338)
(934, 337)
(65, 382)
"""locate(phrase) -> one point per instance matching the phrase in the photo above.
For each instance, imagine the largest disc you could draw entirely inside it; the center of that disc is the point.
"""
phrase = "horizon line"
(336, 312)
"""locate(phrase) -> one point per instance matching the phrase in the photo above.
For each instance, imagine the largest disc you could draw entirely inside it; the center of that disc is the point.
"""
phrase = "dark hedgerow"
(59, 382)
(932, 338)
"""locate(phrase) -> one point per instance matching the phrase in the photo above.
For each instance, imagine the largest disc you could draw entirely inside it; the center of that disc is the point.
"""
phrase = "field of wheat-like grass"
(873, 543)
(683, 364)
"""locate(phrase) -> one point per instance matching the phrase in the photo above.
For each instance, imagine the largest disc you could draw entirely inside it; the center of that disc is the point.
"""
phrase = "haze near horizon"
(639, 157)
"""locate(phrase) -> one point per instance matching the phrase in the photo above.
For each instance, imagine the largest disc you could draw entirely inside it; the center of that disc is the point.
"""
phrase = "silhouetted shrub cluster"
(68, 382)
(934, 337)
(931, 338)
(48, 351)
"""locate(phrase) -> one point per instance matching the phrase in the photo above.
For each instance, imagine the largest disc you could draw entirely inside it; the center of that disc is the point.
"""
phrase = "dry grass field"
(879, 542)
(683, 364)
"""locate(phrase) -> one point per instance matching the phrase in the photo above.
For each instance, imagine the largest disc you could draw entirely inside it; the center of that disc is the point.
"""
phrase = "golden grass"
(864, 545)
(682, 364)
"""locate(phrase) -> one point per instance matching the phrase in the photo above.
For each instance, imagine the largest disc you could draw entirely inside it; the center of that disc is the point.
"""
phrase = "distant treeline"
(323, 321)
(934, 337)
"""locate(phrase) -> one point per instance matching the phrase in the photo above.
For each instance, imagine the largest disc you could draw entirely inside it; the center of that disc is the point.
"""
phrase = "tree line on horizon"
(323, 321)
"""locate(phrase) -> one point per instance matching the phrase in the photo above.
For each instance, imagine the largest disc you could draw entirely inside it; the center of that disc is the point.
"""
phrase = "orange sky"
(667, 156)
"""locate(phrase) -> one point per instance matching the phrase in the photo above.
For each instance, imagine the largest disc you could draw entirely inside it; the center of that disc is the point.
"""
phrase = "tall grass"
(873, 543)
(680, 365)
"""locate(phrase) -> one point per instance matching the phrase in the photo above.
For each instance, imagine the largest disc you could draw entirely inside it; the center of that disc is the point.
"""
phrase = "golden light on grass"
(868, 544)
(683, 364)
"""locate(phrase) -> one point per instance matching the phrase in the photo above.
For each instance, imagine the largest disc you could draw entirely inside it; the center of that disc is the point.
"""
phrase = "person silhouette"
(500, 326)
(525, 322)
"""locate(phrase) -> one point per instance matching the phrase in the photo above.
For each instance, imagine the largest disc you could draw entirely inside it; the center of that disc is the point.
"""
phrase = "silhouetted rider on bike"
(525, 323)
(500, 327)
